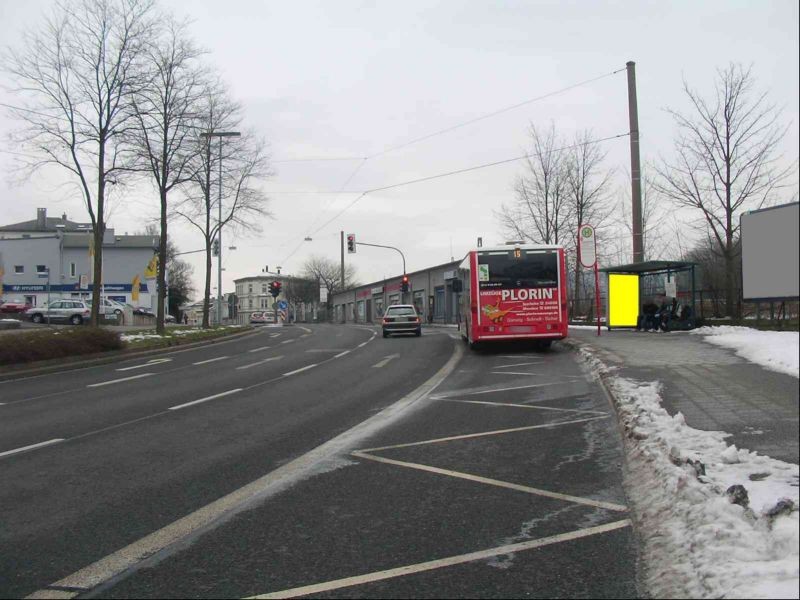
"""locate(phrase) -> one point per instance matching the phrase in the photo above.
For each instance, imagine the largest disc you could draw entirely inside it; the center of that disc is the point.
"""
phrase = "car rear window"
(401, 311)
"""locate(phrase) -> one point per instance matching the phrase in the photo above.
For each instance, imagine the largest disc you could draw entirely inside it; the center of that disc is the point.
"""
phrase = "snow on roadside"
(774, 350)
(696, 541)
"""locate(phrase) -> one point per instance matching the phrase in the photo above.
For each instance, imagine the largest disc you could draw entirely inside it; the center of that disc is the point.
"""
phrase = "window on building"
(72, 269)
(250, 288)
(41, 268)
(19, 269)
(249, 303)
(263, 288)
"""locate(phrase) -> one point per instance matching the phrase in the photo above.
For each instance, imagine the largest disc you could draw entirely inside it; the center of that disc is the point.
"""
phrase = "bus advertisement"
(514, 293)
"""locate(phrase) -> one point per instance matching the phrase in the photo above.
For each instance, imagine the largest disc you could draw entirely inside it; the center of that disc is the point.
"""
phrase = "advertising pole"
(597, 295)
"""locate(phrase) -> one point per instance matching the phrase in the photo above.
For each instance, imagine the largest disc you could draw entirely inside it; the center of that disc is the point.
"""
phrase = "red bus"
(514, 293)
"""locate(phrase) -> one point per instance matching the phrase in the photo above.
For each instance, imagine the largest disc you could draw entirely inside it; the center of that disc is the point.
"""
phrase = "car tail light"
(417, 320)
(86, 313)
(385, 321)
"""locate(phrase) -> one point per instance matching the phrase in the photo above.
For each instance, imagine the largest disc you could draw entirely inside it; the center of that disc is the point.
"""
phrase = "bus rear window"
(504, 271)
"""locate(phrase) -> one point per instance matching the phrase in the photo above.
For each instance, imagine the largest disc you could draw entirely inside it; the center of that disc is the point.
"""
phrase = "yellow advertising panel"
(623, 300)
(135, 283)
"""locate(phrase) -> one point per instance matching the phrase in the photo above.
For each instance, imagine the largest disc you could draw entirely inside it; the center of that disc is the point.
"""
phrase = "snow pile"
(130, 337)
(775, 350)
(697, 542)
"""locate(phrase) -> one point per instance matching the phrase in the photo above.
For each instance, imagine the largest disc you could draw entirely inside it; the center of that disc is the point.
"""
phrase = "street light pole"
(220, 135)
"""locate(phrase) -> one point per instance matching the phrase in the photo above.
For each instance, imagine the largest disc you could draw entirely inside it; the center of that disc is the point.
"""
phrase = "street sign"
(588, 246)
(282, 305)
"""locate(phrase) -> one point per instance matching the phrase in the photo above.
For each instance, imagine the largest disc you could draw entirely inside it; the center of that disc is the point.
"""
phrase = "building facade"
(53, 258)
(430, 291)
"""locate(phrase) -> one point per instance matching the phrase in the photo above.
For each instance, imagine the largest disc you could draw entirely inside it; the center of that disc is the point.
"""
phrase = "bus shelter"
(632, 286)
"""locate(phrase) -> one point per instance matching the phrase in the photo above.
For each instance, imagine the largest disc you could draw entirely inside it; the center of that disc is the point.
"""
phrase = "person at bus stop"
(668, 312)
(647, 320)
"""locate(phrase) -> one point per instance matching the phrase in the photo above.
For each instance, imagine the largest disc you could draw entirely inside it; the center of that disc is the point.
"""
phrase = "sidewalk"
(714, 388)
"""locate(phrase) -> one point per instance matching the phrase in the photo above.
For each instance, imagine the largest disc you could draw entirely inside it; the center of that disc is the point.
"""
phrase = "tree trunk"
(730, 301)
(99, 233)
(207, 293)
(162, 266)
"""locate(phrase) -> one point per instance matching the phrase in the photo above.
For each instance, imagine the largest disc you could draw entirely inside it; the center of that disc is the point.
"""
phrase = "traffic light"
(215, 248)
(404, 286)
(275, 288)
(351, 243)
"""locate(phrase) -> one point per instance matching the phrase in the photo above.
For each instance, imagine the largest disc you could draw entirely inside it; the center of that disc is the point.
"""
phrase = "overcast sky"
(351, 79)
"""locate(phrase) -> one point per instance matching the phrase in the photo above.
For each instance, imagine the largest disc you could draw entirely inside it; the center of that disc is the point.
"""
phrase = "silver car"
(60, 311)
(401, 318)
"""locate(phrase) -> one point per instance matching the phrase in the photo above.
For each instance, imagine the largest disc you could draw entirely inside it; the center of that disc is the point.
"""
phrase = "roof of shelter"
(650, 266)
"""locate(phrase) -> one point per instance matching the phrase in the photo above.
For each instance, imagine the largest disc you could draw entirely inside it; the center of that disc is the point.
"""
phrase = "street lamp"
(220, 135)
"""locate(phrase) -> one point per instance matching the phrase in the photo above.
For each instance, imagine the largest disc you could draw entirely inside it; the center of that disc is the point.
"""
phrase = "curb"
(59, 365)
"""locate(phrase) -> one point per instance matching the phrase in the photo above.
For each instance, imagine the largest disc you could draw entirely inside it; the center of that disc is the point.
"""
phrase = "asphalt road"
(145, 463)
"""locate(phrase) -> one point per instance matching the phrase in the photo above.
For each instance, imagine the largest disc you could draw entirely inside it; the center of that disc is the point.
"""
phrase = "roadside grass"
(63, 343)
(174, 336)
(66, 343)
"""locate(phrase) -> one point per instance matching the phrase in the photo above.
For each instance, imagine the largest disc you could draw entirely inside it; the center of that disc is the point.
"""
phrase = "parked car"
(401, 318)
(58, 311)
(141, 310)
(15, 305)
(262, 318)
(109, 307)
(168, 318)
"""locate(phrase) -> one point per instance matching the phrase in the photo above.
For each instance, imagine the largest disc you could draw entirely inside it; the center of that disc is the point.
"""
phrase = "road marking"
(473, 392)
(210, 360)
(362, 344)
(206, 399)
(31, 447)
(120, 380)
(537, 362)
(306, 368)
(117, 563)
(575, 410)
(306, 329)
(512, 373)
(385, 361)
(484, 434)
(155, 361)
(321, 588)
(342, 354)
(287, 341)
(326, 350)
(494, 482)
(260, 362)
(275, 334)
(259, 349)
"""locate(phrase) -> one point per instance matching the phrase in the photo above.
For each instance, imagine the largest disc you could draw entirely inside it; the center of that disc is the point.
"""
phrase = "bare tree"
(244, 162)
(165, 140)
(726, 161)
(540, 212)
(329, 274)
(300, 290)
(75, 78)
(587, 186)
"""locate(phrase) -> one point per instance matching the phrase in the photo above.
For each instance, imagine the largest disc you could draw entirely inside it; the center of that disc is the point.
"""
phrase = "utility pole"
(344, 314)
(636, 169)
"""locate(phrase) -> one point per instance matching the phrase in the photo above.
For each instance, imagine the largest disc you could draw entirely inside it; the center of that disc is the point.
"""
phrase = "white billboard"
(770, 253)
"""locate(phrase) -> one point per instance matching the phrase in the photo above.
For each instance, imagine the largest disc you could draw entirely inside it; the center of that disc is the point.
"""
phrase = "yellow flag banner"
(151, 271)
(135, 288)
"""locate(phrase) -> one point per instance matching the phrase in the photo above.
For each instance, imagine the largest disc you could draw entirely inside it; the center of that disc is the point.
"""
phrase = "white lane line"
(155, 361)
(342, 354)
(473, 392)
(512, 373)
(31, 447)
(385, 361)
(537, 362)
(119, 380)
(322, 350)
(306, 329)
(306, 368)
(206, 399)
(573, 410)
(275, 335)
(118, 562)
(321, 588)
(210, 360)
(484, 434)
(495, 482)
(259, 349)
(260, 362)
(287, 341)
(362, 344)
